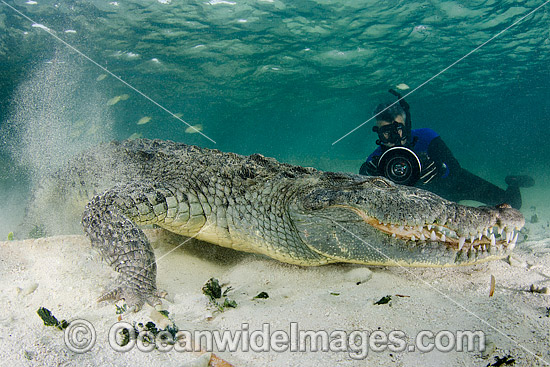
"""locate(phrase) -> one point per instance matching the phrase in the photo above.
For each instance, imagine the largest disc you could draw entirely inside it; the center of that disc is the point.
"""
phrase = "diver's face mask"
(391, 134)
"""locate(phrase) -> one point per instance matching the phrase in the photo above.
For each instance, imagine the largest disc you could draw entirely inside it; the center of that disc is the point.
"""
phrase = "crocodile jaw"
(490, 239)
(375, 222)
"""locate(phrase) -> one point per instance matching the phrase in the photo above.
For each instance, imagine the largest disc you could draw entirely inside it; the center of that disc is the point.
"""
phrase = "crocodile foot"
(134, 298)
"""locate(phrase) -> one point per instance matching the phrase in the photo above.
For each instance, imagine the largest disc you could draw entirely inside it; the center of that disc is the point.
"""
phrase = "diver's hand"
(429, 171)
(369, 168)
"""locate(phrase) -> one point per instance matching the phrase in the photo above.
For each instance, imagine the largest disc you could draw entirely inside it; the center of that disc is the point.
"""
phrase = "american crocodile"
(252, 203)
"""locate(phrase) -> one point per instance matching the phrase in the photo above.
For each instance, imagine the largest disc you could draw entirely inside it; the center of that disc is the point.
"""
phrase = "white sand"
(69, 277)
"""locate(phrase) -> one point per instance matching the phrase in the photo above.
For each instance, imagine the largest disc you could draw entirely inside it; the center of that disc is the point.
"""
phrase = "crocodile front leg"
(110, 221)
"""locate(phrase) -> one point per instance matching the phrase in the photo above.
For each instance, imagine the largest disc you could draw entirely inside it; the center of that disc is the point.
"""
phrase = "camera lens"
(400, 165)
(399, 168)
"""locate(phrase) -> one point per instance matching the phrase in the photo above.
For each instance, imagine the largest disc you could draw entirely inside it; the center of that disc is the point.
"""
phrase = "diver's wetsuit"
(452, 181)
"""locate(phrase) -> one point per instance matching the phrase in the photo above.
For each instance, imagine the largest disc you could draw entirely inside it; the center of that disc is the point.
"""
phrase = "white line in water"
(46, 29)
(444, 70)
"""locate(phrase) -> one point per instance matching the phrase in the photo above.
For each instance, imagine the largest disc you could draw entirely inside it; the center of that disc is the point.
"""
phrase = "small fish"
(194, 129)
(144, 120)
(124, 97)
(135, 136)
(113, 101)
(402, 86)
(101, 77)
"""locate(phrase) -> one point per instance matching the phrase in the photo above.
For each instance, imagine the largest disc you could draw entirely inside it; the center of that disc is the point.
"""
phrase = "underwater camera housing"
(400, 165)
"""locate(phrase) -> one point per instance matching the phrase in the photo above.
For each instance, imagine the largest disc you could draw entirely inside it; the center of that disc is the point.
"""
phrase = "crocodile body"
(252, 203)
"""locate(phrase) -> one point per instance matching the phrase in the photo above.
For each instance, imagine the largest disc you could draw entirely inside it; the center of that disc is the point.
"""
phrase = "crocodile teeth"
(513, 241)
(422, 238)
(499, 230)
(461, 243)
(484, 233)
(413, 238)
(509, 236)
(472, 239)
(479, 235)
(433, 237)
(493, 241)
(443, 238)
(429, 226)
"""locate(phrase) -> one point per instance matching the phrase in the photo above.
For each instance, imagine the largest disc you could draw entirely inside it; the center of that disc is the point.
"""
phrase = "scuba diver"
(421, 158)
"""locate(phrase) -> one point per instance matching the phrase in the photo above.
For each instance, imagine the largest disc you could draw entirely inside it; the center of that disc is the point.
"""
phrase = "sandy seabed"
(64, 275)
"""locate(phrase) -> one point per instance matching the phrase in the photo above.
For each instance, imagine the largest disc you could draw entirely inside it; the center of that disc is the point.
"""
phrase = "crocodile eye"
(383, 184)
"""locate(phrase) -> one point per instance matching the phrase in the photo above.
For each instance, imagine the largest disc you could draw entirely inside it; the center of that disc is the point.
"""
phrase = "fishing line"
(50, 32)
(444, 70)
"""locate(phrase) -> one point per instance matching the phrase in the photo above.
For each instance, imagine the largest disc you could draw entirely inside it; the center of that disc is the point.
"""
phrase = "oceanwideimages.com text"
(124, 337)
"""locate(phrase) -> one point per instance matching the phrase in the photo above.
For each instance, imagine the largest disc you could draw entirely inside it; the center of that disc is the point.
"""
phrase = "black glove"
(370, 168)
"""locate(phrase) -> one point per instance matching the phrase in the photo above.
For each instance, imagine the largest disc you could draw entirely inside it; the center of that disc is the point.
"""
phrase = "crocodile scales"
(252, 203)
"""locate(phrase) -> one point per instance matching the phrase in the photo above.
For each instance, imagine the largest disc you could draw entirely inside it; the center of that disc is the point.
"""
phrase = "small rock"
(29, 289)
(208, 316)
(359, 275)
(262, 295)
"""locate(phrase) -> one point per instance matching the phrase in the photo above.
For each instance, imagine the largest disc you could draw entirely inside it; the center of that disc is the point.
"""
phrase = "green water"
(283, 78)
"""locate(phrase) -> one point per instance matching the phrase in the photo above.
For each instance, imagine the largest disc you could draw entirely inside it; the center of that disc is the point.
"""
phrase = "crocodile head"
(371, 220)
